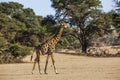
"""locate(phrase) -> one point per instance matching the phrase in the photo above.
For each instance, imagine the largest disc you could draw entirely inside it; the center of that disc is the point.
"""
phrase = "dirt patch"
(69, 67)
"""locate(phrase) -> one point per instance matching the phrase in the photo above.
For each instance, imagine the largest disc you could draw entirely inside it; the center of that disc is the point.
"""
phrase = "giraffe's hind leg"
(46, 64)
(39, 66)
(33, 67)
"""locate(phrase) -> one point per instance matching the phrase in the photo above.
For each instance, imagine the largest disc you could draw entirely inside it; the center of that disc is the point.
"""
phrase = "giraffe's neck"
(58, 34)
(54, 40)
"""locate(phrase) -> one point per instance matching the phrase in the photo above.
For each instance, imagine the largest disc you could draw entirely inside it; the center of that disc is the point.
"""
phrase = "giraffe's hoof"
(31, 72)
(57, 73)
(45, 73)
(40, 73)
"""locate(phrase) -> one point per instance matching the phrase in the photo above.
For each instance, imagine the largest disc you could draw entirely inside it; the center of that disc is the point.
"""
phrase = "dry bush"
(8, 58)
(108, 51)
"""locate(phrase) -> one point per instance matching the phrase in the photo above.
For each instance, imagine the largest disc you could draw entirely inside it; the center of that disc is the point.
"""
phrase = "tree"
(83, 14)
(10, 8)
(9, 27)
(49, 22)
(116, 19)
(28, 36)
(116, 15)
(19, 29)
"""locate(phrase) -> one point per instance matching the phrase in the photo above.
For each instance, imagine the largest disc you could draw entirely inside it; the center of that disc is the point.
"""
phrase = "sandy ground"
(69, 68)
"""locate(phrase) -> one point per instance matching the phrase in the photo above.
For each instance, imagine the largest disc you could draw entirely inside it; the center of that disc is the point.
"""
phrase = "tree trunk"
(84, 43)
(84, 47)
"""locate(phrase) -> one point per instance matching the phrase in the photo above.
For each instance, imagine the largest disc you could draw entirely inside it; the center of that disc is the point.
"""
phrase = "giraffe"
(48, 47)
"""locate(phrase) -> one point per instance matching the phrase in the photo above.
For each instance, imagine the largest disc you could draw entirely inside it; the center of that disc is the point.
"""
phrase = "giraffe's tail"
(32, 54)
(31, 58)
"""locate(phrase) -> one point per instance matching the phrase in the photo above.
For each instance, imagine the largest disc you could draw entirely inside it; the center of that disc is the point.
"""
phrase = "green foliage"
(19, 25)
(116, 15)
(18, 50)
(64, 42)
(116, 19)
(10, 8)
(3, 43)
(50, 24)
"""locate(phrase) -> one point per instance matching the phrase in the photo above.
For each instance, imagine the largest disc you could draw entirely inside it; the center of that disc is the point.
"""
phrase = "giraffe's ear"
(64, 24)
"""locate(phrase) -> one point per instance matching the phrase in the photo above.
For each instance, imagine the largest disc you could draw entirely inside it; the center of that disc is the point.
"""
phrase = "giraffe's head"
(65, 25)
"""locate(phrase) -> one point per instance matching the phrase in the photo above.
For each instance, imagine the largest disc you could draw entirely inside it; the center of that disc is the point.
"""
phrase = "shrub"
(18, 50)
(3, 43)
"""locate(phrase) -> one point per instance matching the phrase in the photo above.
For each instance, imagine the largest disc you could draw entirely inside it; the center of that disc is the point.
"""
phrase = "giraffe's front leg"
(39, 68)
(38, 61)
(53, 61)
(46, 64)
